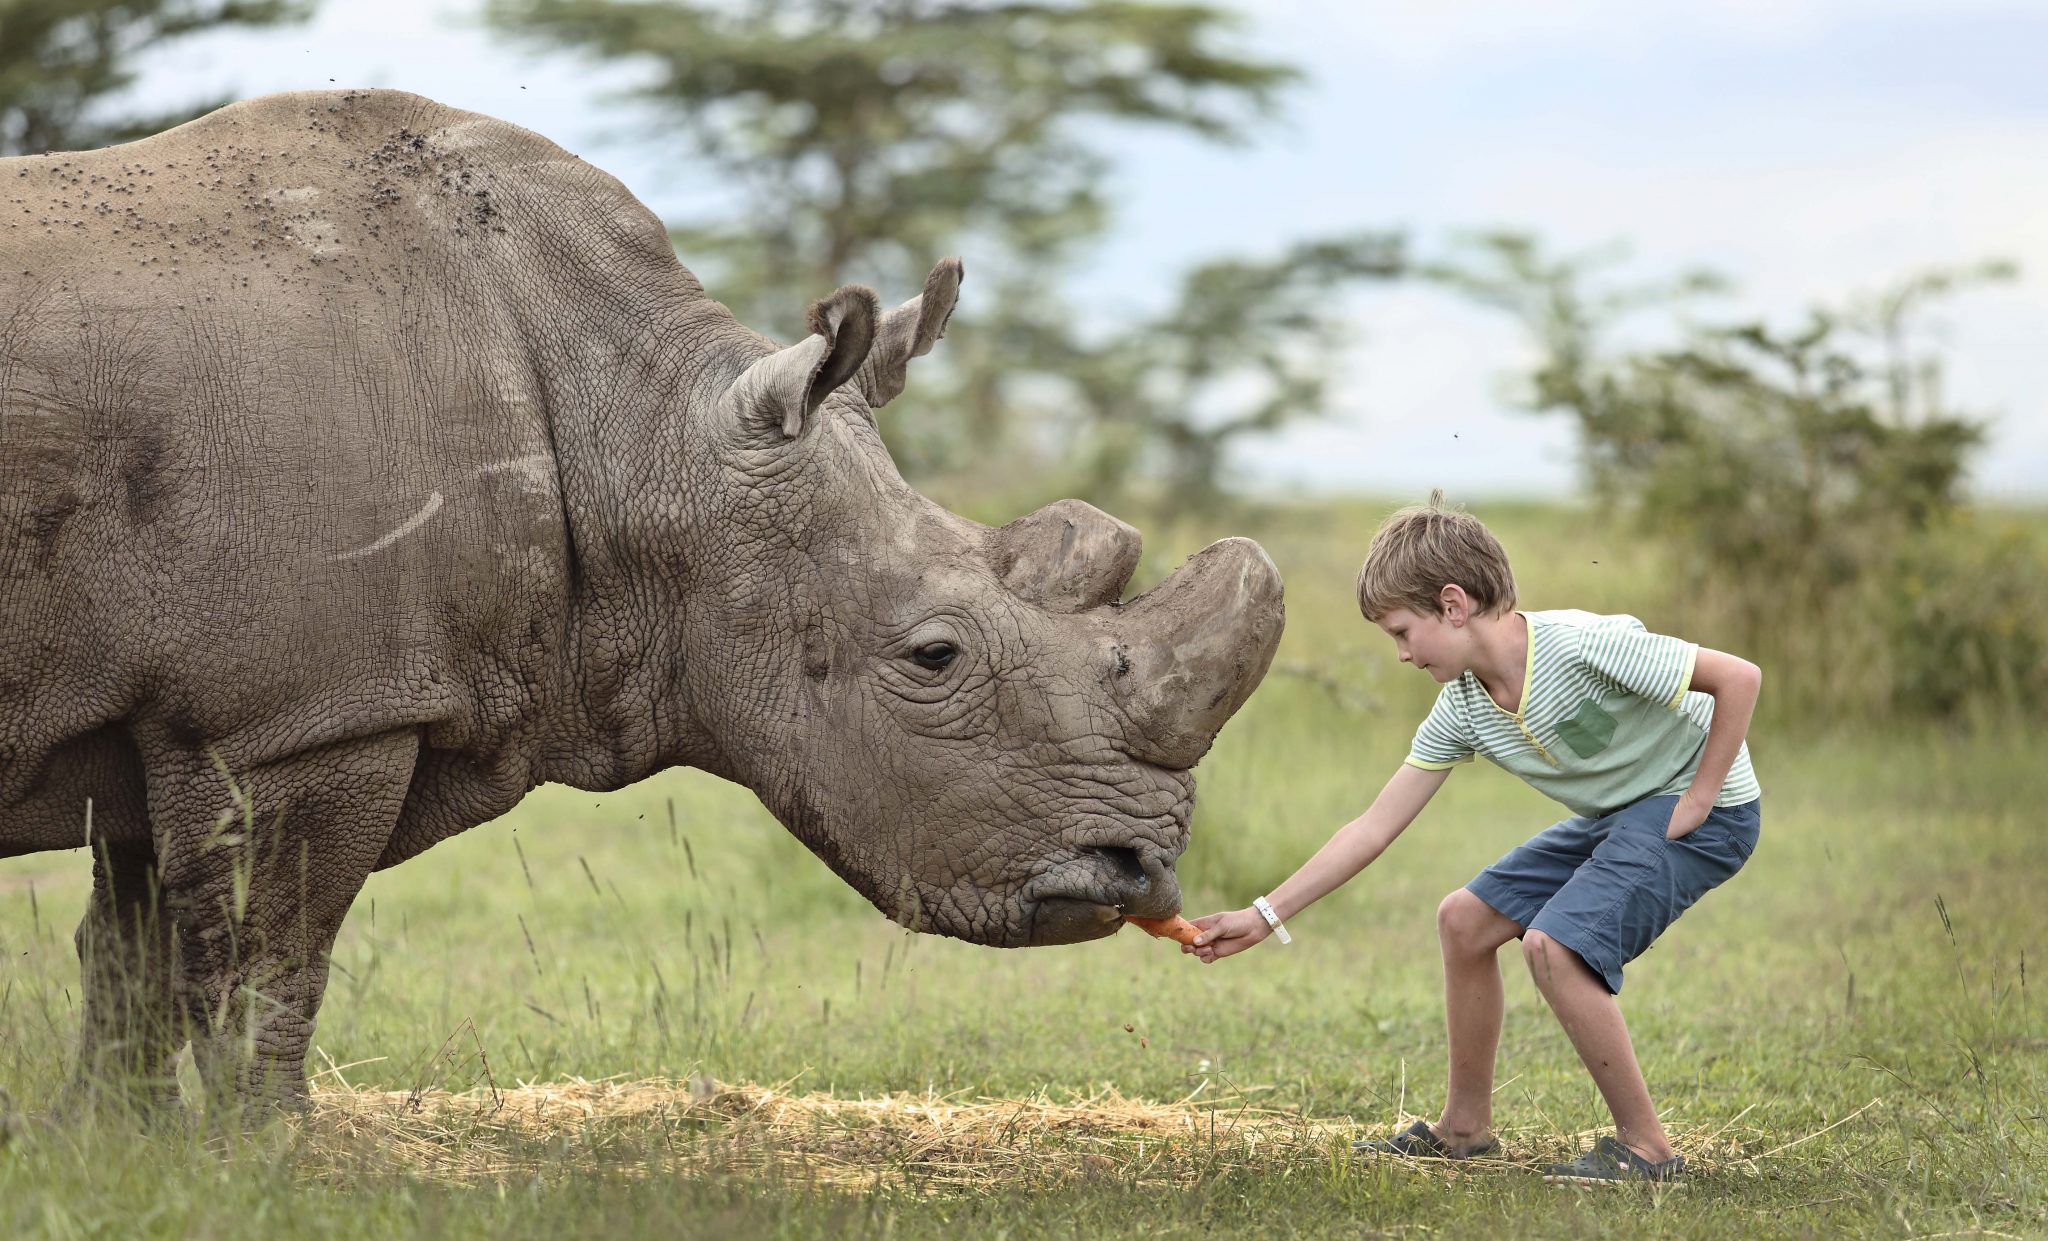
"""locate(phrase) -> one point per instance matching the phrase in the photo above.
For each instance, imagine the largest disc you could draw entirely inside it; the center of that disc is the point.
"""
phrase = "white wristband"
(1272, 919)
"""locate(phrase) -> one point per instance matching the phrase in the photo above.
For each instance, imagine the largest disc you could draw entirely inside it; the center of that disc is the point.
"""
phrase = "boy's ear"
(1454, 604)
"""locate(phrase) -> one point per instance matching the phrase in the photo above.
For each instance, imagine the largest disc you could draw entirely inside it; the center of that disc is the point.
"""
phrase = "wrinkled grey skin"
(365, 463)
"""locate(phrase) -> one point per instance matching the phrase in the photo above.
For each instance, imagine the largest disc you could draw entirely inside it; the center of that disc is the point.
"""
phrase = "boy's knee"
(1462, 921)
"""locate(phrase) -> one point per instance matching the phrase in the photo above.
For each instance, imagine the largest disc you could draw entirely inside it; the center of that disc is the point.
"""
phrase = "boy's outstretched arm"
(1349, 850)
(1734, 683)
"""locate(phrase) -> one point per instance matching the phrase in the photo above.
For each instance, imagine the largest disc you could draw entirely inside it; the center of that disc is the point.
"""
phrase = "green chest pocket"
(1589, 729)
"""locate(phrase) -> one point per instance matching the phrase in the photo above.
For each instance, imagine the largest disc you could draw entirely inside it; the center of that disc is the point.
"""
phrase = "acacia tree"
(859, 139)
(59, 58)
(1247, 346)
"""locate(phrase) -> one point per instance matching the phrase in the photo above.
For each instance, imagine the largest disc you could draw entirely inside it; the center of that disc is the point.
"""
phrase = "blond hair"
(1425, 547)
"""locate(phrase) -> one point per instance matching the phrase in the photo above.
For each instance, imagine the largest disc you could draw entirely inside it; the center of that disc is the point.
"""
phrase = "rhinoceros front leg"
(130, 1028)
(258, 870)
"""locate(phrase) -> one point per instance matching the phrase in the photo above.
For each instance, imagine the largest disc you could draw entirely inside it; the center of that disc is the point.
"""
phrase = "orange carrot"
(1175, 927)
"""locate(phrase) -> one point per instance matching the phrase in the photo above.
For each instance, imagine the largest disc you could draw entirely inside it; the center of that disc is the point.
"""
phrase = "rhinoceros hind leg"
(131, 1028)
(258, 870)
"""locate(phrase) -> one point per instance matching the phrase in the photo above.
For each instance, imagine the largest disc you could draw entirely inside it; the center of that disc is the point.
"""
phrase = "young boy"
(1640, 736)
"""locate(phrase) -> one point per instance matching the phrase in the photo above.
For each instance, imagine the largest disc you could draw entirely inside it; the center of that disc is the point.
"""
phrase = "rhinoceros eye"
(934, 655)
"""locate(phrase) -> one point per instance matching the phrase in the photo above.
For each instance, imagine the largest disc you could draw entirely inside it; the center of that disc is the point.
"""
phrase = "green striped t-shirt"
(1606, 717)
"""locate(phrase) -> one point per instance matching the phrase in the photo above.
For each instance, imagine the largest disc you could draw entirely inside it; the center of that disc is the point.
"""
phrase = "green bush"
(1966, 620)
(1806, 484)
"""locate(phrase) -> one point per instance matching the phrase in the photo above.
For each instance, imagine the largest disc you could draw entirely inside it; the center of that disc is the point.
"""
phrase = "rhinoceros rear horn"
(1066, 557)
(786, 387)
(910, 331)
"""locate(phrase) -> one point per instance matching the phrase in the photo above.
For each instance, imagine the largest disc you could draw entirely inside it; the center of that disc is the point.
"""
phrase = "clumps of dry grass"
(930, 1142)
(926, 1143)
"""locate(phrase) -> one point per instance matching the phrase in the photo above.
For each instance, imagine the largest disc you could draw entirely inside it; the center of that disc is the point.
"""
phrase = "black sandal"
(1612, 1163)
(1419, 1141)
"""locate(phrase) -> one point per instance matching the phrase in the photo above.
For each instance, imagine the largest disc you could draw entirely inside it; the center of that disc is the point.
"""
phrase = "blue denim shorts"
(1606, 888)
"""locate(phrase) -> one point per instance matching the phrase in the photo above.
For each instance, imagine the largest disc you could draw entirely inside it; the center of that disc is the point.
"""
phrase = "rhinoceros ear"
(786, 387)
(910, 331)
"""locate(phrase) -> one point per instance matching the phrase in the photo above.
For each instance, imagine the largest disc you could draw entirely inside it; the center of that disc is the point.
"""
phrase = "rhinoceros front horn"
(1194, 648)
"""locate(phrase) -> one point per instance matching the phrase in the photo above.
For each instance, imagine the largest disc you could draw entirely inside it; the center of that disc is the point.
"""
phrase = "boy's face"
(1432, 643)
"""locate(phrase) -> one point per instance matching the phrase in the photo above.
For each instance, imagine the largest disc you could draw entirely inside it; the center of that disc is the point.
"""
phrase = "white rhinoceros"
(377, 461)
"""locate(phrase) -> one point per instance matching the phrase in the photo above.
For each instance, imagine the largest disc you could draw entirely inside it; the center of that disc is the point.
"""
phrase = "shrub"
(1808, 482)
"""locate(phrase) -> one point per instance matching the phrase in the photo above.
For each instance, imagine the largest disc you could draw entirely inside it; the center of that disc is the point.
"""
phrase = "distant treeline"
(1807, 484)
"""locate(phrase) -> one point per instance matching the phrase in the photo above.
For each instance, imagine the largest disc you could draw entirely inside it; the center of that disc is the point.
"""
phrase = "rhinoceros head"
(964, 722)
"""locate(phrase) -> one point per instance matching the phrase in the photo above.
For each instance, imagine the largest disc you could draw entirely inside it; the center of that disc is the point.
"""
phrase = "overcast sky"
(1807, 148)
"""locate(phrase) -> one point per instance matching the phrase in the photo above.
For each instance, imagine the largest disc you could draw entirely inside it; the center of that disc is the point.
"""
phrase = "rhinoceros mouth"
(1070, 920)
(1087, 896)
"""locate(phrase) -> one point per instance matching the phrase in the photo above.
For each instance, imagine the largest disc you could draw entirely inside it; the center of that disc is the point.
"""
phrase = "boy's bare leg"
(1592, 1017)
(1471, 932)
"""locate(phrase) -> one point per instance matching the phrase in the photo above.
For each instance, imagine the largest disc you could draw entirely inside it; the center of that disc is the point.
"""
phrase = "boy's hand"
(1685, 816)
(1227, 934)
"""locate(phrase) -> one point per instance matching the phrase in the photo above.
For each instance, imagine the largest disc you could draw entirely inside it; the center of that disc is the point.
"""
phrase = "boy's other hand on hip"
(1227, 934)
(1685, 816)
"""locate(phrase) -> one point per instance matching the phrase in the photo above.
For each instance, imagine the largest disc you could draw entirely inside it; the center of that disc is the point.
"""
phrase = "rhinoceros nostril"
(1125, 859)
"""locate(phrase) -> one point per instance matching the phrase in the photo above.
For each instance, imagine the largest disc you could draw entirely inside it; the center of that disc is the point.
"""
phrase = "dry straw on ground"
(928, 1143)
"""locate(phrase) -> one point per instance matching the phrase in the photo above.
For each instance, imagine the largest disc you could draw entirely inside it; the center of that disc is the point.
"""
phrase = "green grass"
(1886, 944)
